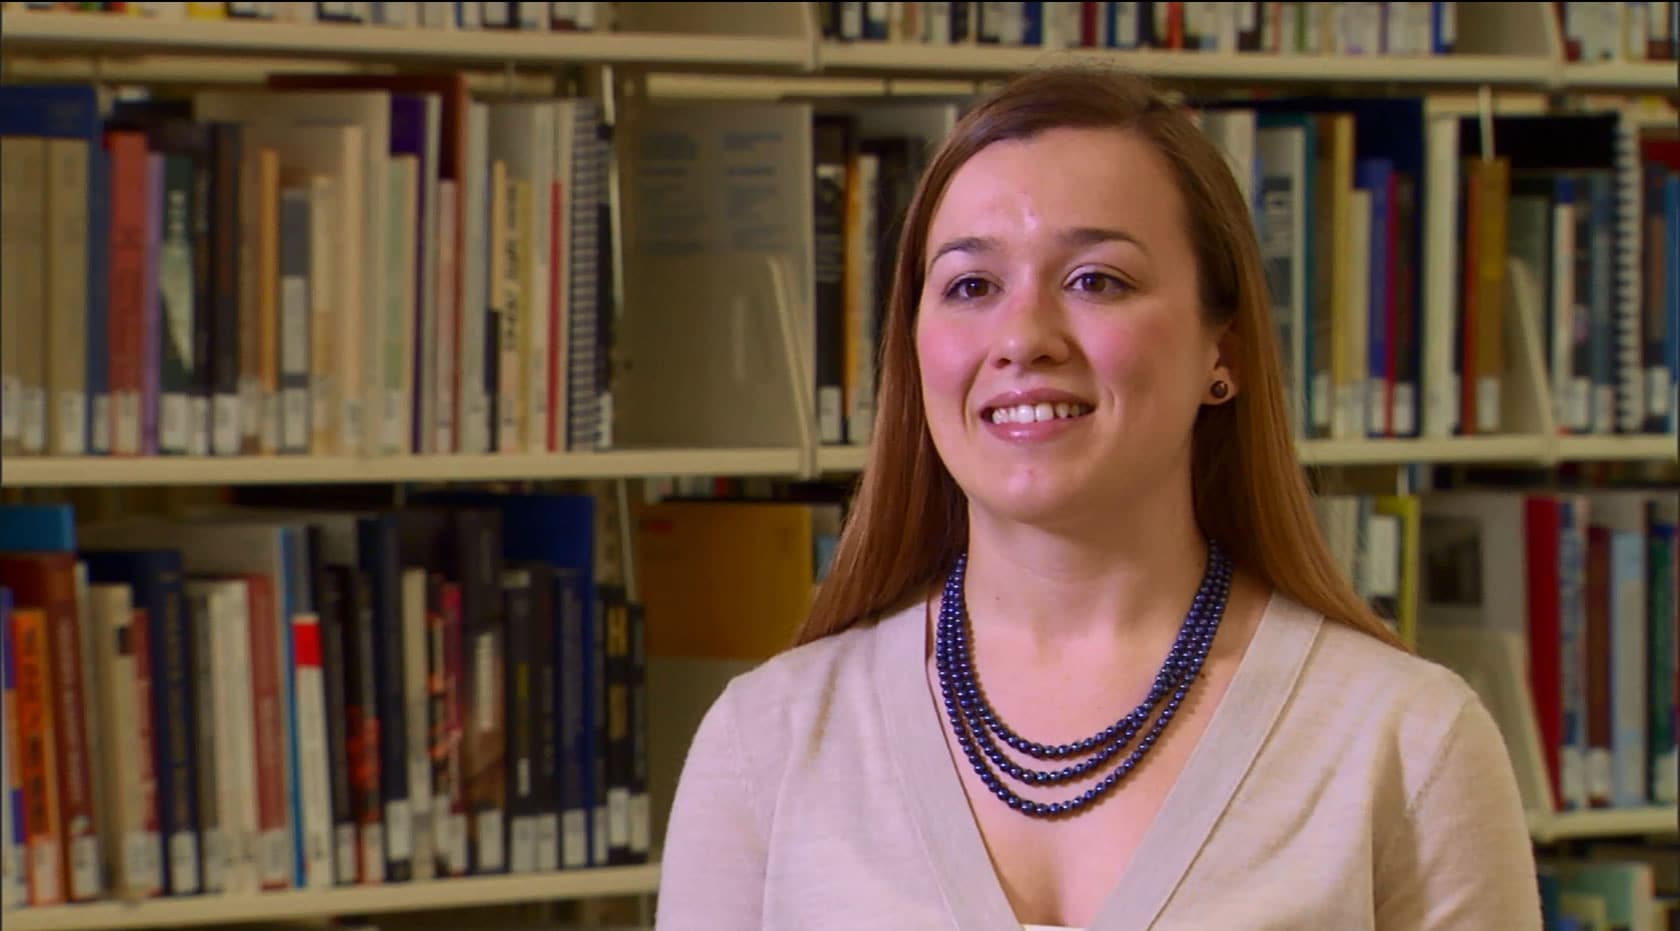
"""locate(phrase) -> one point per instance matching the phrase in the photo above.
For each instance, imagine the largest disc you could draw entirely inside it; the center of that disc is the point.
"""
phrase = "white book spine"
(472, 406)
(540, 320)
(313, 760)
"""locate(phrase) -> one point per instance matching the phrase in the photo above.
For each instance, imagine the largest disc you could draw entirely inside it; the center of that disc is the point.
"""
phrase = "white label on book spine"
(140, 861)
(373, 854)
(226, 426)
(276, 856)
(574, 838)
(547, 828)
(1572, 783)
(1580, 405)
(44, 871)
(641, 831)
(172, 426)
(344, 856)
(34, 419)
(490, 840)
(1376, 407)
(1656, 391)
(12, 894)
(84, 867)
(456, 844)
(394, 440)
(524, 859)
(183, 863)
(1487, 405)
(215, 859)
(1321, 401)
(598, 835)
(269, 434)
(198, 426)
(1599, 781)
(294, 420)
(11, 407)
(1604, 409)
(830, 426)
(127, 440)
(1405, 409)
(72, 423)
(350, 435)
(618, 817)
(101, 423)
(399, 829)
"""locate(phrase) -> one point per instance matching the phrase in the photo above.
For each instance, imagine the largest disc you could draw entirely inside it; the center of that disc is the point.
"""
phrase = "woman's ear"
(1222, 380)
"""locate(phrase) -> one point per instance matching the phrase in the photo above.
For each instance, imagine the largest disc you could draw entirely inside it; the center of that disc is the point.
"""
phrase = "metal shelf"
(196, 911)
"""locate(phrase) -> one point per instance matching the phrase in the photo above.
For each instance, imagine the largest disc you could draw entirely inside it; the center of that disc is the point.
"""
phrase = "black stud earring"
(1220, 390)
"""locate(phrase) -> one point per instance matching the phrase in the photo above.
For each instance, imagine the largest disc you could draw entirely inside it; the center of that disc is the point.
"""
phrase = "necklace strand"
(975, 722)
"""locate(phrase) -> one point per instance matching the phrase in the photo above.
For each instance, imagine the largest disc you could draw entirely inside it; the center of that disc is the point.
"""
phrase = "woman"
(1081, 466)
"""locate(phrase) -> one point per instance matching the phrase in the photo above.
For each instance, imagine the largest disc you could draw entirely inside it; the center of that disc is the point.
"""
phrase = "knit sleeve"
(1461, 857)
(713, 865)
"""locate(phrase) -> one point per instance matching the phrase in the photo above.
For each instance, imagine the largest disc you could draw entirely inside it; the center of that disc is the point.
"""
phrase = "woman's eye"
(968, 289)
(1098, 283)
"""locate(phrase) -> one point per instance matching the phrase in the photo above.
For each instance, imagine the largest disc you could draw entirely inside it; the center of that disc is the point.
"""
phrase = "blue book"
(37, 528)
(156, 579)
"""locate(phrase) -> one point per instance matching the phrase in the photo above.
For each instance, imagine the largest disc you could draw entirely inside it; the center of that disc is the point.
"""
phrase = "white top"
(1340, 784)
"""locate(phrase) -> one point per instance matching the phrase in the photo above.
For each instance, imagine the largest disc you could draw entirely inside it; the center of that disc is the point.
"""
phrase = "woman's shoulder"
(796, 688)
(1412, 697)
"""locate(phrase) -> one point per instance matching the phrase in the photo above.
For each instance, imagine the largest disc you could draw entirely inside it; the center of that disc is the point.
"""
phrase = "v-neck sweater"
(1340, 783)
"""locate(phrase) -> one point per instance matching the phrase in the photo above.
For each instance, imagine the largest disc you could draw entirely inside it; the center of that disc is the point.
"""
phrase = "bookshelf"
(303, 904)
(83, 35)
(97, 471)
(765, 51)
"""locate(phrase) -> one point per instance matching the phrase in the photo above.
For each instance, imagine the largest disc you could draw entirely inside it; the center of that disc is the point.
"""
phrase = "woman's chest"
(1061, 870)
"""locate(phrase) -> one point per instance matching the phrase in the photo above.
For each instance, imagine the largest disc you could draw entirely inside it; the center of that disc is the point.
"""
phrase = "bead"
(974, 722)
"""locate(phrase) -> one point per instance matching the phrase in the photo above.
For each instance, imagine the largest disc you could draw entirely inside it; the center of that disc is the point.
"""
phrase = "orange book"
(48, 581)
(43, 829)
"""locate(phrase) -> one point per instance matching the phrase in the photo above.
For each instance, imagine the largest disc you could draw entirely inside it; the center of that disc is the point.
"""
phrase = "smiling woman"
(1083, 517)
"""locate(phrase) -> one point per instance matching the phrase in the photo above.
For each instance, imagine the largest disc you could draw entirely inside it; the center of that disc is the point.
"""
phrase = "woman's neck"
(1116, 582)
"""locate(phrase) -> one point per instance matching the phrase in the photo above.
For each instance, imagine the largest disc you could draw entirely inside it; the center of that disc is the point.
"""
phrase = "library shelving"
(772, 51)
(80, 471)
(87, 34)
(302, 904)
(1656, 821)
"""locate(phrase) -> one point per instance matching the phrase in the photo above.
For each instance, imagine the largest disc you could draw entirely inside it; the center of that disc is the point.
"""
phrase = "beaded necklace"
(974, 722)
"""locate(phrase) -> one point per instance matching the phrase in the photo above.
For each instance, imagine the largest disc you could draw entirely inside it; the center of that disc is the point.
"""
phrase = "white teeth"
(1037, 413)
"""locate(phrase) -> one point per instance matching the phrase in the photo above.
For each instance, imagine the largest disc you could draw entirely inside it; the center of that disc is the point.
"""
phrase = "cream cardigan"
(1340, 784)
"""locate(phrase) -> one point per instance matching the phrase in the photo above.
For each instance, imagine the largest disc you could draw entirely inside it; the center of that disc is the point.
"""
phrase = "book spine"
(269, 733)
(575, 775)
(175, 721)
(43, 827)
(545, 735)
(362, 730)
(519, 713)
(126, 291)
(216, 852)
(143, 858)
(224, 276)
(335, 617)
(66, 304)
(14, 892)
(296, 312)
(314, 767)
(376, 547)
(641, 827)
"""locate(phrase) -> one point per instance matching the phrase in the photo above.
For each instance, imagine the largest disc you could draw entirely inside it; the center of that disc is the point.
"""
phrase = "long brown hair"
(909, 519)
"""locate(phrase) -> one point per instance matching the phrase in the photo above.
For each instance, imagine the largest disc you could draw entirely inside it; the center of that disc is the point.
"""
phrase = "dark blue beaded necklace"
(974, 722)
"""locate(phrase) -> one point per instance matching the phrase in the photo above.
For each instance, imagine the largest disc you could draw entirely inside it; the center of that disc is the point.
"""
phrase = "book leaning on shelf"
(253, 699)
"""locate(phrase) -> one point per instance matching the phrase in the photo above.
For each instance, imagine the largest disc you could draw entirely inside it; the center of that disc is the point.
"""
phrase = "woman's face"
(1060, 337)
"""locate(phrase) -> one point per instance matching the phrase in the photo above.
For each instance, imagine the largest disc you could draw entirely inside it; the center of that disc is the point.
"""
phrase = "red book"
(126, 295)
(1545, 632)
(48, 581)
